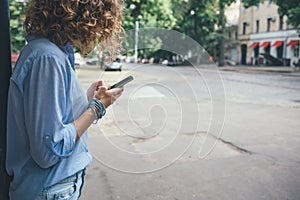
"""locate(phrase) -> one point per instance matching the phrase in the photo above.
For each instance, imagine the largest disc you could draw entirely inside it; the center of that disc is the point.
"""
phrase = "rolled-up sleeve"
(48, 121)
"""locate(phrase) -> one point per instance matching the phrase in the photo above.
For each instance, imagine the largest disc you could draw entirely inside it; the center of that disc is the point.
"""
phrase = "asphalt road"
(181, 133)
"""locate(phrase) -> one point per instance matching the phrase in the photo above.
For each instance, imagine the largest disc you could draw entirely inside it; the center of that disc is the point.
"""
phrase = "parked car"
(145, 61)
(171, 63)
(130, 59)
(165, 62)
(114, 66)
(93, 61)
(156, 60)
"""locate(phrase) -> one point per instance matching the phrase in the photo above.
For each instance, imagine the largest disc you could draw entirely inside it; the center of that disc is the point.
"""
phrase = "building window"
(236, 35)
(269, 21)
(244, 28)
(296, 50)
(257, 26)
(281, 22)
(229, 35)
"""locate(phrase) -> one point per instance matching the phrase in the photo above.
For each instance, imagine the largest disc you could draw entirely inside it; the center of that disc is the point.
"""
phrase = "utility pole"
(136, 43)
(5, 73)
(222, 32)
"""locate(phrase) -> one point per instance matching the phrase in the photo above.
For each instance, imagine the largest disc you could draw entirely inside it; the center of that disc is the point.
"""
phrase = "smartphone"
(122, 82)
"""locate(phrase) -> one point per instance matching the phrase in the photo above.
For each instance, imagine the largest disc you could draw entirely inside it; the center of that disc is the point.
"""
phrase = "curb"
(288, 71)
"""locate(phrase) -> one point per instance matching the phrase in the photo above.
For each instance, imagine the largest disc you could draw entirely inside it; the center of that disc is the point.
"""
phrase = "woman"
(48, 112)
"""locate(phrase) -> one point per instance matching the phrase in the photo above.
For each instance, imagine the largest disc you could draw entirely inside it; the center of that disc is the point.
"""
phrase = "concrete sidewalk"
(293, 71)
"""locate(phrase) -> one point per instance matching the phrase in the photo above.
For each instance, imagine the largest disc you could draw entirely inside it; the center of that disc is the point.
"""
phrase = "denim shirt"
(45, 97)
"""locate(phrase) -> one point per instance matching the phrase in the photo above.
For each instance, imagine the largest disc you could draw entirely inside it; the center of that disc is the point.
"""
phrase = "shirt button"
(47, 137)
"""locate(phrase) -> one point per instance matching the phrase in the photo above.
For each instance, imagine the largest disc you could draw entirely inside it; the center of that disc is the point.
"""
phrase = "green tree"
(149, 13)
(16, 25)
(197, 19)
(291, 9)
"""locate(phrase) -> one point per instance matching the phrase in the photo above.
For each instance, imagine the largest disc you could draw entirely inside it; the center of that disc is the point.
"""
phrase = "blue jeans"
(67, 189)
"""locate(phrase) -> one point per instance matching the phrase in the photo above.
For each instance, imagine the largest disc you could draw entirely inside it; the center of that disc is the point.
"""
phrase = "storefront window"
(296, 50)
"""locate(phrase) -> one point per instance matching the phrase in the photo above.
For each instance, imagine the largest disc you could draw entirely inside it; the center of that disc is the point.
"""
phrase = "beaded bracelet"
(99, 110)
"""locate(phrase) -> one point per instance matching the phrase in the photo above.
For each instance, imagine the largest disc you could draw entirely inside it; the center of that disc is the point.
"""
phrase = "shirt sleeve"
(46, 95)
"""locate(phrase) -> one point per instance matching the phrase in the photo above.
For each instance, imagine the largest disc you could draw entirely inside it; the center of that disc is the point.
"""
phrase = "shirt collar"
(31, 37)
(68, 48)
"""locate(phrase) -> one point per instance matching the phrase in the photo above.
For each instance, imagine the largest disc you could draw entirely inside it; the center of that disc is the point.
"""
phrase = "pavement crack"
(235, 147)
(231, 145)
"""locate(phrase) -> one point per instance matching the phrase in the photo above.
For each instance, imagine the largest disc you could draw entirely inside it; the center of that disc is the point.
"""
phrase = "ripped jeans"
(68, 189)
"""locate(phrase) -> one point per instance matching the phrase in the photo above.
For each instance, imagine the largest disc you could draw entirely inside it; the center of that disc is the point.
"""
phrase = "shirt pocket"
(66, 191)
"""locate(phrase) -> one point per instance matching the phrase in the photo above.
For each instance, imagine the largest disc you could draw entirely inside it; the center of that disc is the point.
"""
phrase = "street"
(180, 133)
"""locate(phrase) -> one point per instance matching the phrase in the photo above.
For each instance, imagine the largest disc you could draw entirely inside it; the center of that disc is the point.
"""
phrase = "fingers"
(101, 92)
(99, 84)
(114, 98)
(117, 92)
(91, 91)
(105, 94)
(102, 89)
(93, 86)
(108, 97)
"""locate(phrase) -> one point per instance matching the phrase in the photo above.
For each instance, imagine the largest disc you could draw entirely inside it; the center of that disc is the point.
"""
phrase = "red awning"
(293, 43)
(265, 44)
(278, 43)
(254, 44)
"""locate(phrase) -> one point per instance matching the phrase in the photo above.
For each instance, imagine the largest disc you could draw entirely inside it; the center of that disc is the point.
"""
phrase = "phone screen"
(122, 82)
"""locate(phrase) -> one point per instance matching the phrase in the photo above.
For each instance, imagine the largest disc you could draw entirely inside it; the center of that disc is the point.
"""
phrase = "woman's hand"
(106, 95)
(90, 93)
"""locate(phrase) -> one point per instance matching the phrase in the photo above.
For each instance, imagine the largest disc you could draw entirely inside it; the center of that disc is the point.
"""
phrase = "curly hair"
(83, 23)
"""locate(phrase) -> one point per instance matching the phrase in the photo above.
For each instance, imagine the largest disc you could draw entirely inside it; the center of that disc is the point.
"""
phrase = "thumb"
(101, 92)
(102, 89)
(100, 83)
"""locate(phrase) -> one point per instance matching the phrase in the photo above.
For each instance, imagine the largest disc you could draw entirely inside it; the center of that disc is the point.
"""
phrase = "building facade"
(231, 34)
(265, 38)
(231, 45)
